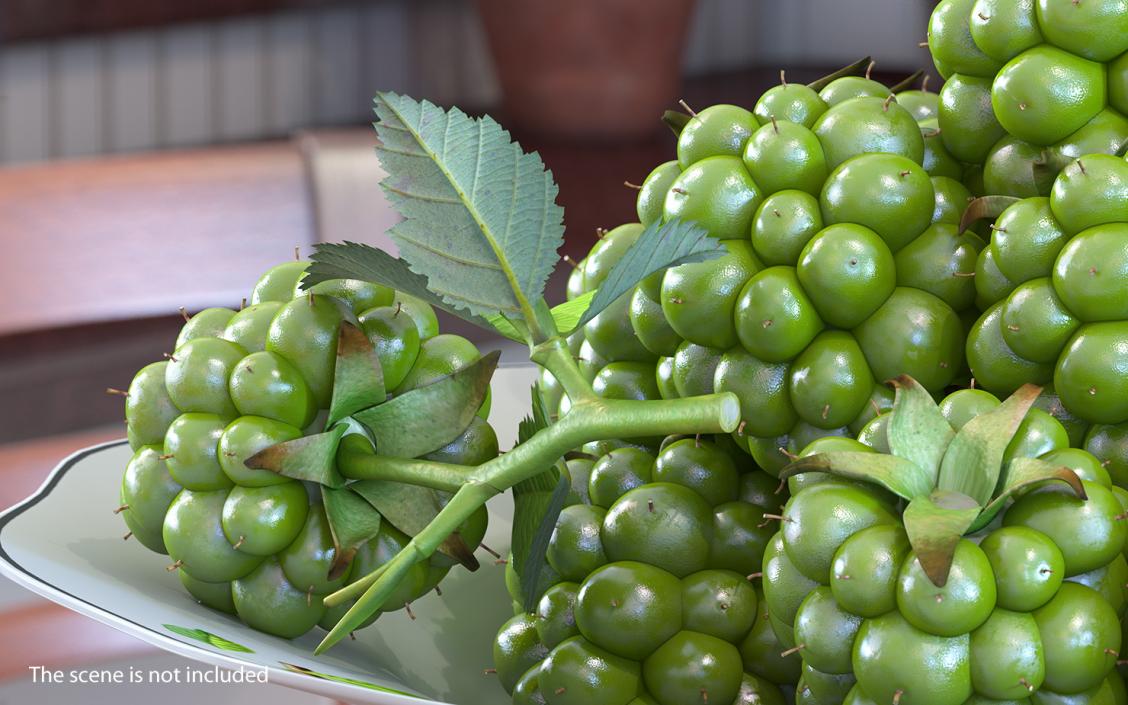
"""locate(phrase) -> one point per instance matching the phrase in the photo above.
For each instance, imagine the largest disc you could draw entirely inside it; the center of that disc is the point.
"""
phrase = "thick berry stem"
(589, 419)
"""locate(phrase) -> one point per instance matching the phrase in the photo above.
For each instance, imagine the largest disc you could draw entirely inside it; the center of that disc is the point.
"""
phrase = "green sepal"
(534, 520)
(310, 458)
(676, 120)
(975, 456)
(410, 509)
(985, 207)
(428, 417)
(935, 523)
(352, 521)
(1024, 473)
(660, 246)
(917, 431)
(900, 476)
(358, 380)
(855, 69)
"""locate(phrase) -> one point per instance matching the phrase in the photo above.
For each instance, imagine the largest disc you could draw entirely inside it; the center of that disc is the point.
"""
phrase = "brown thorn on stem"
(963, 274)
(121, 509)
(825, 411)
(297, 252)
(697, 441)
(775, 125)
(1106, 462)
(905, 173)
(127, 535)
(767, 323)
(243, 303)
(996, 228)
(678, 189)
(776, 213)
(939, 598)
(240, 542)
(885, 105)
(972, 384)
(1081, 166)
(489, 671)
(399, 307)
(118, 392)
(1026, 684)
(636, 187)
(311, 297)
(897, 696)
(688, 109)
(175, 566)
(407, 608)
(601, 233)
(1113, 653)
(614, 602)
(229, 454)
(352, 636)
(793, 650)
(1012, 327)
(166, 456)
(1092, 271)
(676, 300)
(844, 576)
(489, 550)
(778, 517)
(876, 408)
(309, 597)
(560, 691)
(184, 314)
(438, 591)
(571, 262)
(1121, 517)
(740, 427)
(783, 78)
(787, 454)
(779, 488)
(869, 68)
(650, 506)
(982, 16)
(501, 561)
(168, 356)
(704, 696)
(1022, 106)
(753, 576)
(922, 45)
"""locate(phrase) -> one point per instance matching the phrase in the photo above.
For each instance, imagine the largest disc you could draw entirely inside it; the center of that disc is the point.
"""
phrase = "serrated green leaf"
(661, 245)
(986, 207)
(353, 260)
(352, 521)
(935, 523)
(1025, 473)
(569, 314)
(310, 458)
(900, 476)
(974, 458)
(917, 430)
(410, 509)
(534, 519)
(480, 215)
(358, 380)
(855, 69)
(428, 417)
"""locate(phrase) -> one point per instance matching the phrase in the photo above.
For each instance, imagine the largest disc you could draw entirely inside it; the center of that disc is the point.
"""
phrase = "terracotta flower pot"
(587, 69)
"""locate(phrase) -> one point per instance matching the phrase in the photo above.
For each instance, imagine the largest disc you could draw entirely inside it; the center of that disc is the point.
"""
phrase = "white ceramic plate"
(64, 543)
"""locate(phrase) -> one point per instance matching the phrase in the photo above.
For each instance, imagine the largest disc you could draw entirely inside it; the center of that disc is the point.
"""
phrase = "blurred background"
(163, 154)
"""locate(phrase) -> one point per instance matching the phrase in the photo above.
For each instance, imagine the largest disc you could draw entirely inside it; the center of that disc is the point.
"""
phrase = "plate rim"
(20, 575)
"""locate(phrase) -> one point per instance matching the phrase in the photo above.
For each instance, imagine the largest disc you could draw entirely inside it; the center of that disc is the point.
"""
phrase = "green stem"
(357, 464)
(588, 420)
(554, 356)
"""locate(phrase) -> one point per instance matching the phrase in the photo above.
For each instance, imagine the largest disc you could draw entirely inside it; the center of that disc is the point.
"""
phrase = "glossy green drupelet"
(655, 595)
(249, 541)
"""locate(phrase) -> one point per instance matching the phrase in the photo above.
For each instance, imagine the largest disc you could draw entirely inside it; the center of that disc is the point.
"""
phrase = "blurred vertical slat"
(239, 58)
(387, 50)
(186, 87)
(25, 91)
(435, 49)
(337, 69)
(478, 80)
(79, 91)
(131, 93)
(288, 68)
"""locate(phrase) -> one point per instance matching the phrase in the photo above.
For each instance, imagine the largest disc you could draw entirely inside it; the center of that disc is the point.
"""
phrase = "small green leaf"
(311, 458)
(917, 430)
(935, 523)
(855, 69)
(480, 215)
(352, 521)
(352, 260)
(1023, 473)
(208, 638)
(675, 120)
(358, 380)
(410, 509)
(514, 330)
(975, 456)
(427, 418)
(569, 314)
(986, 207)
(900, 476)
(660, 246)
(534, 519)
